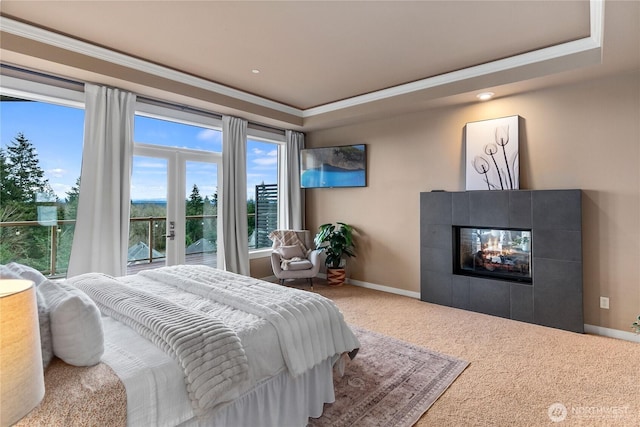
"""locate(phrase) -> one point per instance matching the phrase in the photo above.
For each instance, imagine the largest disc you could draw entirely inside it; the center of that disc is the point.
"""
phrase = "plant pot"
(335, 276)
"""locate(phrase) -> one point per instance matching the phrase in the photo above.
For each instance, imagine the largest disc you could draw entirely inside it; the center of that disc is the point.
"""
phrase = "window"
(174, 189)
(262, 190)
(41, 134)
(158, 126)
(177, 151)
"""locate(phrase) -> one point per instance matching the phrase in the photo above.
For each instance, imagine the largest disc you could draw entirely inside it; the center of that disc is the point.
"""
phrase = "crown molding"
(585, 45)
(518, 61)
(64, 42)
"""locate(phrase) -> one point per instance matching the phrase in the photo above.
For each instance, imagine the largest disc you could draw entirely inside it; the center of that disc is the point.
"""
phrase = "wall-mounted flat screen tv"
(331, 167)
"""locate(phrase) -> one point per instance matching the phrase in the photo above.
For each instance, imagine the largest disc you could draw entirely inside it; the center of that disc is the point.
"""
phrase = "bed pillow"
(26, 272)
(76, 325)
(46, 344)
(44, 321)
(7, 273)
(290, 252)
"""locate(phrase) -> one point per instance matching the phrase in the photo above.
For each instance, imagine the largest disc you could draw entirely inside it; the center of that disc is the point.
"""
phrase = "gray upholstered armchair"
(293, 255)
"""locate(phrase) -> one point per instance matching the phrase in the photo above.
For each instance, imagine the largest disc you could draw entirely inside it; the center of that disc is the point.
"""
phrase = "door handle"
(172, 231)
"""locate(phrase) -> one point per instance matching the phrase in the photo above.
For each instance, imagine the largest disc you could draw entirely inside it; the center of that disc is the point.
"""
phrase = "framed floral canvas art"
(492, 161)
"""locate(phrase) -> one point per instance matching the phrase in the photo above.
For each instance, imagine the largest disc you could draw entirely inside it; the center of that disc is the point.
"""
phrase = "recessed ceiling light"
(255, 71)
(485, 96)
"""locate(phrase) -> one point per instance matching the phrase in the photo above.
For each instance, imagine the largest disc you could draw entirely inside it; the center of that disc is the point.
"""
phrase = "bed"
(190, 346)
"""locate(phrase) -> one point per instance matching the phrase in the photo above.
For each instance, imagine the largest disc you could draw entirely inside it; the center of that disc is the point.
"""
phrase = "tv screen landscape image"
(331, 167)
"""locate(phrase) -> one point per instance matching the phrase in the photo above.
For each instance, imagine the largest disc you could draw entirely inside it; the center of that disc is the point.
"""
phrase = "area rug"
(389, 383)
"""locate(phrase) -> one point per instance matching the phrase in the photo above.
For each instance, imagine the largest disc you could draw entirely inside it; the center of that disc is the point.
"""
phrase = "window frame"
(30, 90)
(35, 91)
(280, 141)
(213, 122)
(50, 93)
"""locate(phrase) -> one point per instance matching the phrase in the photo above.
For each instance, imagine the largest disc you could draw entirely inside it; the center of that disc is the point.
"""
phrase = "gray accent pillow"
(76, 325)
(14, 270)
(7, 273)
(46, 342)
(26, 272)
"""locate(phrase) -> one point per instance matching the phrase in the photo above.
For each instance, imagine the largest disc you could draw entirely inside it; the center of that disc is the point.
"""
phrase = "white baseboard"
(382, 288)
(589, 329)
(611, 333)
(368, 285)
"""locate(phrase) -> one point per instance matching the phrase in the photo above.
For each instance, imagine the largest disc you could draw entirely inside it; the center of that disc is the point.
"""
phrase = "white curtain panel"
(101, 235)
(291, 196)
(235, 234)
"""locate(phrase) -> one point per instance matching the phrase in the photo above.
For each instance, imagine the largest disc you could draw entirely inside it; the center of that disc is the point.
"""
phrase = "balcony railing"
(56, 258)
(53, 238)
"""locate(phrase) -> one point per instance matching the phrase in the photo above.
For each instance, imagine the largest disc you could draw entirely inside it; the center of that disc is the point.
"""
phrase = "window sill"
(260, 253)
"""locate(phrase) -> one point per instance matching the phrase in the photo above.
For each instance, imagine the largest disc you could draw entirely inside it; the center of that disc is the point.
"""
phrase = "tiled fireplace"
(515, 254)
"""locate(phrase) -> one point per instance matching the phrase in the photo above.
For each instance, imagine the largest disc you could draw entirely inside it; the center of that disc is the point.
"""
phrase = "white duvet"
(209, 352)
(155, 384)
(310, 327)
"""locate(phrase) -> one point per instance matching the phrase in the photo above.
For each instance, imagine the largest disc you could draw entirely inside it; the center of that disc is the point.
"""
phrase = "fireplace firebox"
(498, 253)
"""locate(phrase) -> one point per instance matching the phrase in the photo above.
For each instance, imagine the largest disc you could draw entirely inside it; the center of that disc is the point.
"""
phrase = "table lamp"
(21, 372)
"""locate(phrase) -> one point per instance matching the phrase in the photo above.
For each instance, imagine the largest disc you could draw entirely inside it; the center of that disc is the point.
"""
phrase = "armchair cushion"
(304, 264)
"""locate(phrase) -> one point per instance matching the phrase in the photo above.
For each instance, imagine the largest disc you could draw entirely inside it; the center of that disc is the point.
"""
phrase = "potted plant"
(336, 240)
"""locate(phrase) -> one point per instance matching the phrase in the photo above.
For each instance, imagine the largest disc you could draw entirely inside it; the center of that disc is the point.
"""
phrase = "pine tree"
(71, 205)
(210, 224)
(195, 206)
(67, 211)
(25, 177)
(74, 192)
(9, 190)
(24, 184)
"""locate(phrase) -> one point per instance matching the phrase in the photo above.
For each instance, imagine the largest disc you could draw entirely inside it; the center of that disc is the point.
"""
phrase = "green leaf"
(336, 240)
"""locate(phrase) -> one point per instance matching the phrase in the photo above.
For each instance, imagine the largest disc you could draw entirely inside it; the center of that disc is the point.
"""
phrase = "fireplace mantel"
(554, 297)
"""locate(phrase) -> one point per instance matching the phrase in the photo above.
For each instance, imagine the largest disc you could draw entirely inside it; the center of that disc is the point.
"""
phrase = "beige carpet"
(390, 383)
(519, 374)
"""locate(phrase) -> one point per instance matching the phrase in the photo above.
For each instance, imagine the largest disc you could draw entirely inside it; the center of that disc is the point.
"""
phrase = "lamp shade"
(21, 372)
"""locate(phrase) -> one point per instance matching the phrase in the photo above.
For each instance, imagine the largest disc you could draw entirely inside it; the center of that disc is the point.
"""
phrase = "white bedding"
(156, 391)
(209, 352)
(310, 327)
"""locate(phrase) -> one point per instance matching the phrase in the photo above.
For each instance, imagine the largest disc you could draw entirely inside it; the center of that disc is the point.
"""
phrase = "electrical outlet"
(604, 302)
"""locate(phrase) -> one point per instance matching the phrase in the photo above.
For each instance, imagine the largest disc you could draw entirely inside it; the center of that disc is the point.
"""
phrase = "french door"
(174, 210)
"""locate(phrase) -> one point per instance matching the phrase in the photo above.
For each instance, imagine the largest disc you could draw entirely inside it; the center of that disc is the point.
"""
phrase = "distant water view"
(150, 202)
(331, 176)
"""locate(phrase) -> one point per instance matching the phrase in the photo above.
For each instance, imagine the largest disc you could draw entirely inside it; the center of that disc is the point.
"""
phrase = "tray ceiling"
(313, 55)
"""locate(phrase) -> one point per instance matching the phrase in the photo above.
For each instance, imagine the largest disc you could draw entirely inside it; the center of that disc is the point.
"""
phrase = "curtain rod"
(78, 85)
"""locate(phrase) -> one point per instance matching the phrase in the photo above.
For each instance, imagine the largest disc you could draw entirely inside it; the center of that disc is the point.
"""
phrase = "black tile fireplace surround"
(554, 296)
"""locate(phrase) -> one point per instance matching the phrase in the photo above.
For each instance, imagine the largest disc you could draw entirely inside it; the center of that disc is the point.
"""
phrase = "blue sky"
(55, 131)
(57, 134)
